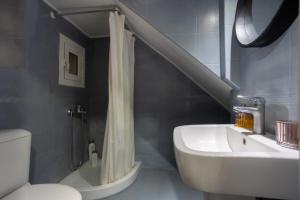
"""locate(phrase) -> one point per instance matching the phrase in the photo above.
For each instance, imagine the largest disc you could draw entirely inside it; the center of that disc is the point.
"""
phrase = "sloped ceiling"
(187, 64)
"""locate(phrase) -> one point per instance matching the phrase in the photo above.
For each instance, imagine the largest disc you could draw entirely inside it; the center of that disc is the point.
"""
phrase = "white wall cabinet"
(71, 63)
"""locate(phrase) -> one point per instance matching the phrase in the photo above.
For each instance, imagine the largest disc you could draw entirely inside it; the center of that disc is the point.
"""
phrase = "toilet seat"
(44, 192)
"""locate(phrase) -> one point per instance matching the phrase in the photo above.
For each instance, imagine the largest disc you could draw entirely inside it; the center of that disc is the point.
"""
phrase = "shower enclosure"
(78, 117)
(86, 181)
(117, 168)
(85, 178)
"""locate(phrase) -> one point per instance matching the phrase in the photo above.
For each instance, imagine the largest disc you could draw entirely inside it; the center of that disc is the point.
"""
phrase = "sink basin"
(228, 160)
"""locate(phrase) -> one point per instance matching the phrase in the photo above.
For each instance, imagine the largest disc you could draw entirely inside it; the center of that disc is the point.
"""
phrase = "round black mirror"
(258, 24)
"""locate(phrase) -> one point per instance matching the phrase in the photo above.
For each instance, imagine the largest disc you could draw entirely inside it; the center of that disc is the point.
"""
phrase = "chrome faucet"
(254, 106)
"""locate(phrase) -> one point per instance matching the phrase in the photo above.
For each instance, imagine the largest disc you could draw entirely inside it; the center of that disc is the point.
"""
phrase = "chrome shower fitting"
(78, 110)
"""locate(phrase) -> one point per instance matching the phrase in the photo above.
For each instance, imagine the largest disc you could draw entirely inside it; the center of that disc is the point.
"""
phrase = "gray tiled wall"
(163, 99)
(97, 84)
(48, 101)
(30, 96)
(192, 24)
(12, 32)
(272, 72)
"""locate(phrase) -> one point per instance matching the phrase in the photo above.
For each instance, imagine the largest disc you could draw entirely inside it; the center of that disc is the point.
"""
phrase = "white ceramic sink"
(228, 160)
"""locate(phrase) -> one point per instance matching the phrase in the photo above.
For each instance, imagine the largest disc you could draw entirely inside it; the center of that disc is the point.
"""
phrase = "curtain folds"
(118, 149)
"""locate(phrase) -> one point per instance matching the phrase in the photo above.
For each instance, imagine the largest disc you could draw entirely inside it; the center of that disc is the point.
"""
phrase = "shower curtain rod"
(78, 12)
(67, 13)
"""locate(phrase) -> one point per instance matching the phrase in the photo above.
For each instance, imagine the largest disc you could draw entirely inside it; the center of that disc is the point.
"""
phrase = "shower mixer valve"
(78, 110)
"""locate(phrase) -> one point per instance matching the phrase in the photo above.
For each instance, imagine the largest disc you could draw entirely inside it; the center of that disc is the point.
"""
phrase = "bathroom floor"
(159, 184)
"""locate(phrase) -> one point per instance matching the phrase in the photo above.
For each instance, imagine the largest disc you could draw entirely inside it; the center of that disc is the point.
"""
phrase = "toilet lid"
(44, 192)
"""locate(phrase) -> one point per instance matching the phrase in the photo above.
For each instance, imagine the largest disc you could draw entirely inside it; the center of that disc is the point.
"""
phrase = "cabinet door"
(72, 66)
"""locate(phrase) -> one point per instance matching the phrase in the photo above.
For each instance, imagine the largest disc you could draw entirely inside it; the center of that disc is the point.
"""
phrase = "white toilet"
(14, 171)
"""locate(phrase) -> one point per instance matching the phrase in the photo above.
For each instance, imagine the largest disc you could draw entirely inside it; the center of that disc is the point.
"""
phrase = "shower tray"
(86, 181)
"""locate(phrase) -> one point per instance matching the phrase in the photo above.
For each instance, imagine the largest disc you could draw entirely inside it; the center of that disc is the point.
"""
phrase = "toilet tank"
(14, 159)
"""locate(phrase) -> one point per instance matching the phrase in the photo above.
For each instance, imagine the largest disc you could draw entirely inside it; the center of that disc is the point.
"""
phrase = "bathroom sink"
(225, 159)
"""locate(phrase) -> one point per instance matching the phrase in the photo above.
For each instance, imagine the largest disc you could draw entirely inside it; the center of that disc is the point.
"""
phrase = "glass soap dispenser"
(244, 120)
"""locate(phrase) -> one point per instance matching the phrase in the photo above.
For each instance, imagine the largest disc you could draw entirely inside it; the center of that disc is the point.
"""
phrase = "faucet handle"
(252, 100)
(242, 97)
(258, 100)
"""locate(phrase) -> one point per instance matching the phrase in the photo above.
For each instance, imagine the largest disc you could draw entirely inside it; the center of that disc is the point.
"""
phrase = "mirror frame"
(244, 28)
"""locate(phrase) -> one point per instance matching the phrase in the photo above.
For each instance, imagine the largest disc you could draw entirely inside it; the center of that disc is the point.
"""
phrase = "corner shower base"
(86, 181)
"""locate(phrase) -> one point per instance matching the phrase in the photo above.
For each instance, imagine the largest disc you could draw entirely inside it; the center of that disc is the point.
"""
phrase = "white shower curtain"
(118, 148)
